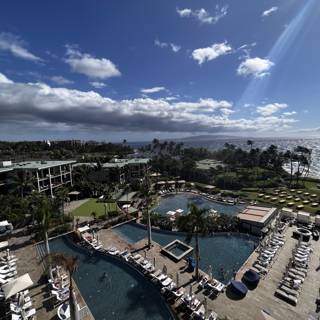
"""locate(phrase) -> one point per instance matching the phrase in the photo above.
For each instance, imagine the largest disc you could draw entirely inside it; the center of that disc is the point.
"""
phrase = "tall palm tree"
(145, 191)
(22, 182)
(70, 264)
(250, 143)
(44, 214)
(195, 223)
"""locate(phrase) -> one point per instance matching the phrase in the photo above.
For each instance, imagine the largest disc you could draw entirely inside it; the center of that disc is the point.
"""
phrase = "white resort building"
(47, 175)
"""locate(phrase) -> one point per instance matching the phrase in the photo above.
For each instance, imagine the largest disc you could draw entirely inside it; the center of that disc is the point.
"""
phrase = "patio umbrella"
(205, 304)
(210, 272)
(77, 313)
(190, 294)
(16, 285)
(164, 269)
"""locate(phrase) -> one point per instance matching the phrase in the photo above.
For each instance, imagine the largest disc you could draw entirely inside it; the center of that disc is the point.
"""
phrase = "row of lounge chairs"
(59, 285)
(290, 286)
(268, 252)
(20, 305)
(213, 286)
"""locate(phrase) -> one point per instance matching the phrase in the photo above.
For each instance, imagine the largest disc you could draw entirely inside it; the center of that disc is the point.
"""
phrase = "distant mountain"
(210, 138)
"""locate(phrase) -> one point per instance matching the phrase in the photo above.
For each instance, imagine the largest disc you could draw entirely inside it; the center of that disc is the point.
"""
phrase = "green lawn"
(92, 205)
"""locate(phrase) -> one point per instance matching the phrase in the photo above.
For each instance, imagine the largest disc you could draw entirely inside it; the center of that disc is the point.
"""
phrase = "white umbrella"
(164, 269)
(205, 304)
(210, 272)
(77, 313)
(16, 285)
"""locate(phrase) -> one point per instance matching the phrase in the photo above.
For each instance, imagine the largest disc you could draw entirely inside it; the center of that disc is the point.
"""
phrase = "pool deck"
(28, 262)
(226, 304)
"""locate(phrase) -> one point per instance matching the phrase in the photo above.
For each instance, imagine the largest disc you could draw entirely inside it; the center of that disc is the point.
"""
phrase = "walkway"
(28, 262)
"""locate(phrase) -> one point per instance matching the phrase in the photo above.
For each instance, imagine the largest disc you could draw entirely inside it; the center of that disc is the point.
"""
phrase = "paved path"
(29, 262)
(70, 206)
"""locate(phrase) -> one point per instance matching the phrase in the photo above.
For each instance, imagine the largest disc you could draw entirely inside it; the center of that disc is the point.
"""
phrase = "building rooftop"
(206, 164)
(5, 169)
(256, 214)
(38, 165)
(120, 163)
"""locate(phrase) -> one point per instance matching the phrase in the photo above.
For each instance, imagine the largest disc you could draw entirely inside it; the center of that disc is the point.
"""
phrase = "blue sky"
(94, 69)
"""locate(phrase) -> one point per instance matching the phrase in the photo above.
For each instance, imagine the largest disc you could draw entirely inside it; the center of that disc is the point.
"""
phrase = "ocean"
(263, 143)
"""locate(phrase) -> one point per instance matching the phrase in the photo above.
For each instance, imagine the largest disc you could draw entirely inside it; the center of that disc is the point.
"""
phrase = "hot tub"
(176, 250)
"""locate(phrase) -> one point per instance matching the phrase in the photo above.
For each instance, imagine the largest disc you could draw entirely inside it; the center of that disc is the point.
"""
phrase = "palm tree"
(250, 143)
(22, 182)
(145, 191)
(44, 213)
(195, 223)
(70, 264)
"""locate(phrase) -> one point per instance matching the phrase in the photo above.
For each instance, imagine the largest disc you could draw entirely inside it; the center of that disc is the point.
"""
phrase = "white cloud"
(27, 105)
(289, 114)
(269, 11)
(210, 53)
(203, 16)
(61, 80)
(13, 44)
(271, 108)
(174, 47)
(4, 79)
(84, 63)
(256, 67)
(98, 85)
(153, 90)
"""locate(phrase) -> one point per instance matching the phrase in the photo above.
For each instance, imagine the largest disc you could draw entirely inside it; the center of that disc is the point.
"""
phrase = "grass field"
(92, 205)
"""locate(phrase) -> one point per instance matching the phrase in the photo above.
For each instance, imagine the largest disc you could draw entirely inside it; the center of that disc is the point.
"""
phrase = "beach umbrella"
(205, 304)
(164, 269)
(210, 272)
(77, 313)
(177, 279)
(16, 285)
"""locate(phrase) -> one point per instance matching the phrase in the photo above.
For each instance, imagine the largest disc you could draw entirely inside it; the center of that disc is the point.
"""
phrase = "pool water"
(177, 249)
(182, 201)
(225, 253)
(122, 293)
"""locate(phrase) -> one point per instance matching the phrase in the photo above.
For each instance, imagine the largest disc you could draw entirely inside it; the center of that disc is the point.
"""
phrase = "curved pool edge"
(242, 235)
(121, 261)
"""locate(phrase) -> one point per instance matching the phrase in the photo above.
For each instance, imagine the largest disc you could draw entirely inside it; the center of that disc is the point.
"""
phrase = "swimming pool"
(225, 253)
(181, 201)
(122, 293)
